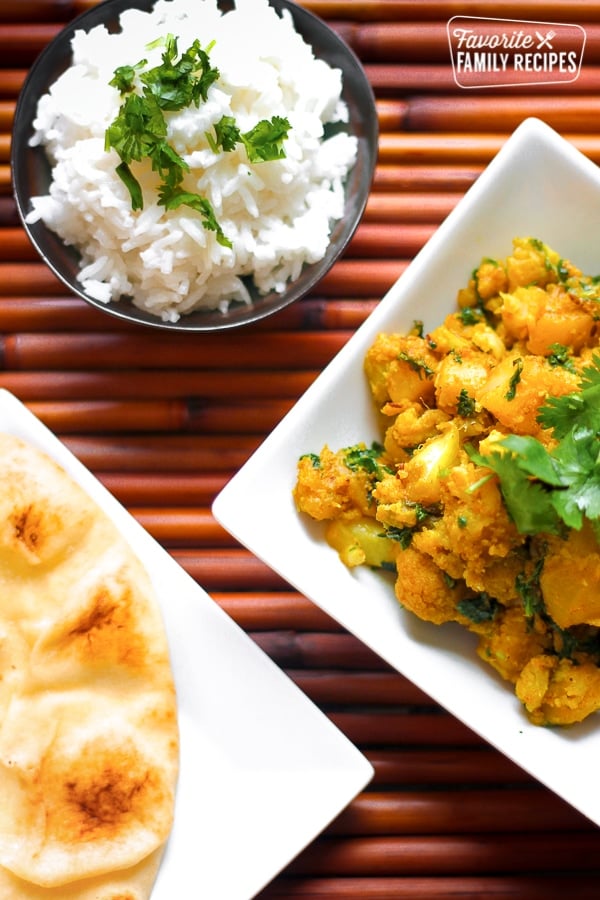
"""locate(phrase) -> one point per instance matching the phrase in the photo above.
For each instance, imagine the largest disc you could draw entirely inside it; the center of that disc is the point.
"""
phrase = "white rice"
(277, 214)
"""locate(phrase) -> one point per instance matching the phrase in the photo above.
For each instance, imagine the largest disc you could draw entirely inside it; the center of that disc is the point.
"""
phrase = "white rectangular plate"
(263, 770)
(538, 185)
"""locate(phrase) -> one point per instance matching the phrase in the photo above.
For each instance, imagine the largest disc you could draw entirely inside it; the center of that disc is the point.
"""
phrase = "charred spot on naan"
(107, 624)
(107, 790)
(92, 790)
(40, 514)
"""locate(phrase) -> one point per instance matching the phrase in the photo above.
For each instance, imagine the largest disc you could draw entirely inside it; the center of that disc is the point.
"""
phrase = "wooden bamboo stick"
(29, 278)
(292, 650)
(483, 810)
(116, 416)
(397, 177)
(4, 148)
(64, 351)
(362, 278)
(378, 689)
(283, 610)
(160, 488)
(7, 110)
(413, 207)
(155, 385)
(11, 79)
(400, 730)
(458, 148)
(485, 854)
(230, 570)
(405, 10)
(182, 527)
(8, 212)
(32, 314)
(5, 180)
(22, 42)
(477, 114)
(162, 453)
(40, 10)
(388, 239)
(427, 887)
(444, 767)
(15, 245)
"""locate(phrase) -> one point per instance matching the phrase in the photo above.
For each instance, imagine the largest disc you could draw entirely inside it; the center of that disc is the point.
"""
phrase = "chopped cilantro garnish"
(470, 315)
(263, 143)
(546, 490)
(560, 356)
(416, 364)
(366, 458)
(529, 590)
(314, 458)
(139, 131)
(479, 609)
(466, 404)
(515, 379)
(403, 536)
(178, 83)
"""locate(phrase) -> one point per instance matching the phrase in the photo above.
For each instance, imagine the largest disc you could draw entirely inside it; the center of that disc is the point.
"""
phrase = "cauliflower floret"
(424, 589)
(401, 367)
(510, 642)
(326, 488)
(557, 691)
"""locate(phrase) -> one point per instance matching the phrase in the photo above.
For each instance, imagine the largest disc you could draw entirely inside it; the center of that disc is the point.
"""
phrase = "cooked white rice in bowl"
(276, 216)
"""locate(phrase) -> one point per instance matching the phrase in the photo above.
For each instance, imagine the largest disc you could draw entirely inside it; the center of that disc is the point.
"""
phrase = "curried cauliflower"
(484, 494)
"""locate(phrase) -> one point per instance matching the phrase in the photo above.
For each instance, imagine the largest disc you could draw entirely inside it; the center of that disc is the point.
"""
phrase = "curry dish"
(483, 495)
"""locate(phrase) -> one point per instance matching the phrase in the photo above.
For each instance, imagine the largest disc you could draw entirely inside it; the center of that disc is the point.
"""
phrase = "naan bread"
(88, 726)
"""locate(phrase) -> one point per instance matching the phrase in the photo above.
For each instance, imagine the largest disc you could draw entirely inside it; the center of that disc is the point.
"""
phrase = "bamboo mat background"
(164, 422)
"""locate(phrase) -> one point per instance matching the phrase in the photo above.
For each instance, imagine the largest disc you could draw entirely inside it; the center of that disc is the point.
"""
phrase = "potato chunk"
(572, 601)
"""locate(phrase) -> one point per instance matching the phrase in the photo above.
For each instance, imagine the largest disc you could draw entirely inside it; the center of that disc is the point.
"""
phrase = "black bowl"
(31, 171)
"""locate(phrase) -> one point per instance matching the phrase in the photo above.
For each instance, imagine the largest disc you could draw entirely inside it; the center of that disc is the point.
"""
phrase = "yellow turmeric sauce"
(525, 579)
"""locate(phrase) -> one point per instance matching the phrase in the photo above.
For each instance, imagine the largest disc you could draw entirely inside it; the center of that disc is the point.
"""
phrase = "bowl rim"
(355, 87)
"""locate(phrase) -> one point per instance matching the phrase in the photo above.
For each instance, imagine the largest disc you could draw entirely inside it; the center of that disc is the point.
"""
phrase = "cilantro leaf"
(227, 135)
(264, 142)
(132, 185)
(178, 83)
(466, 404)
(527, 501)
(532, 458)
(137, 128)
(124, 77)
(546, 490)
(561, 414)
(173, 199)
(479, 609)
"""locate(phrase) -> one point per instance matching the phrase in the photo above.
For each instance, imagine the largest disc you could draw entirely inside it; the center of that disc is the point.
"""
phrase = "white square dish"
(263, 771)
(538, 185)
